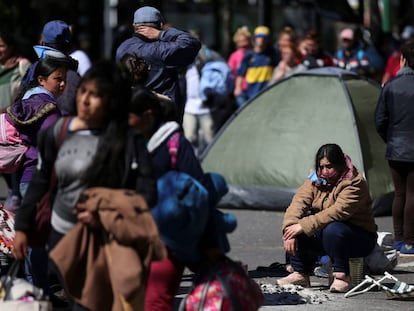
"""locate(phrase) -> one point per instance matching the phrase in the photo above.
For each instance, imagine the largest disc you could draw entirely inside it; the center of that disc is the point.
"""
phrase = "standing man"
(394, 120)
(313, 55)
(166, 50)
(351, 54)
(257, 65)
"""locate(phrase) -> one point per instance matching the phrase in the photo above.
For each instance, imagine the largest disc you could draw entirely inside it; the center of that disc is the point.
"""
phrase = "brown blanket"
(107, 268)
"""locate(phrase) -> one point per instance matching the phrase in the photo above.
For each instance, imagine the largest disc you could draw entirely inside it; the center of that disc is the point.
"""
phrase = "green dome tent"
(266, 149)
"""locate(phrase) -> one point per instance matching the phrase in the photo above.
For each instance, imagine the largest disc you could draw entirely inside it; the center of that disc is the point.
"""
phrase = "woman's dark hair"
(143, 99)
(44, 68)
(407, 51)
(113, 82)
(312, 35)
(334, 154)
(8, 38)
(137, 67)
(17, 44)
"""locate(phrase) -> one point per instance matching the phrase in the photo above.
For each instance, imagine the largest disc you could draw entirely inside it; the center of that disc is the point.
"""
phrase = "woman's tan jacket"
(314, 207)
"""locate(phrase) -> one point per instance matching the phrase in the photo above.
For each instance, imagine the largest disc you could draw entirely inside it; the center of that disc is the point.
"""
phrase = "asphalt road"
(257, 242)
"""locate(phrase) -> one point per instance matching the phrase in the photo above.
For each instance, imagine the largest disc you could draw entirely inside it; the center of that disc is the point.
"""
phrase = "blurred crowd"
(292, 53)
(92, 129)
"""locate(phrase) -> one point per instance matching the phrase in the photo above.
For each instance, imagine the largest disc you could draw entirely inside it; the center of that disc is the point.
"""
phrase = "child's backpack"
(12, 149)
(182, 210)
(223, 285)
(216, 78)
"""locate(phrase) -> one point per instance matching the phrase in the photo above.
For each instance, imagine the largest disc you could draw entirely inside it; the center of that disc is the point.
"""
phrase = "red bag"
(40, 234)
(223, 286)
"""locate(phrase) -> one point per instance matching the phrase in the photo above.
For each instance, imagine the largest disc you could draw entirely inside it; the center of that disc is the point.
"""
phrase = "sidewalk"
(257, 241)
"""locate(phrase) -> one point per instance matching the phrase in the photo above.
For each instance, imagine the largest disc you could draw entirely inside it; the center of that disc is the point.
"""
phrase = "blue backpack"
(186, 211)
(182, 212)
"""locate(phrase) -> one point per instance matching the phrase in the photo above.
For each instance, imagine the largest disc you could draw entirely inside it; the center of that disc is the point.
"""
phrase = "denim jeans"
(339, 240)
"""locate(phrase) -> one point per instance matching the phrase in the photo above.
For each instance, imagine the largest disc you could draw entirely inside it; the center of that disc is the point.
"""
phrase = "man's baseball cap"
(56, 32)
(262, 32)
(148, 14)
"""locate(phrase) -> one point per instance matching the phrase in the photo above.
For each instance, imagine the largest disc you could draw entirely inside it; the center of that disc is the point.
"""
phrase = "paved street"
(257, 242)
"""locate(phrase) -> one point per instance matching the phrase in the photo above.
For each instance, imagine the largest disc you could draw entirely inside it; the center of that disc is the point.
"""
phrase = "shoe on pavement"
(341, 283)
(407, 249)
(295, 278)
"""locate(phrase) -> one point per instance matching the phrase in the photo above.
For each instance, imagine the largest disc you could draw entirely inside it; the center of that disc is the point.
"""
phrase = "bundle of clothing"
(106, 268)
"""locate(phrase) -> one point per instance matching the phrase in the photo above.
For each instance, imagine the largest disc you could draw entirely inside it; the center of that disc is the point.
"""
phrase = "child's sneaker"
(407, 249)
(324, 269)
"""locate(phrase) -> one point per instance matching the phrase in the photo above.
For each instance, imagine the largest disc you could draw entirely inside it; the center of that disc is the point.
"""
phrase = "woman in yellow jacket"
(330, 214)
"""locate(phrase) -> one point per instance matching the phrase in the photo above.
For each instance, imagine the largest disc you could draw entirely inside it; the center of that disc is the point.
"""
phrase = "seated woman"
(330, 214)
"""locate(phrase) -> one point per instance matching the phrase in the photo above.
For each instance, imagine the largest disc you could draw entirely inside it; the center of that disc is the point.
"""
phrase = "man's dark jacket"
(173, 50)
(394, 116)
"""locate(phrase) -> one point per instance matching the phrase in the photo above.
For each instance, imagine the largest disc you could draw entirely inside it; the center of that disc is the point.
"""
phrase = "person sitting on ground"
(330, 214)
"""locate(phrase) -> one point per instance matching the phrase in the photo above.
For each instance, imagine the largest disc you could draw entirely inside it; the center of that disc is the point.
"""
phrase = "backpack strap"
(61, 137)
(63, 131)
(173, 144)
